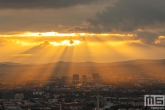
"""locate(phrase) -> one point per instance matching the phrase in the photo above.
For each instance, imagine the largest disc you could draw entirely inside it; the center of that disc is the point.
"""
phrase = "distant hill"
(139, 61)
(9, 63)
(133, 62)
(136, 68)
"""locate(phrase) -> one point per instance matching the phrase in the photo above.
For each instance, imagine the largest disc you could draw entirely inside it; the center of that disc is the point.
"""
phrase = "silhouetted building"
(8, 95)
(64, 79)
(19, 96)
(84, 80)
(75, 79)
(96, 78)
(73, 106)
(37, 92)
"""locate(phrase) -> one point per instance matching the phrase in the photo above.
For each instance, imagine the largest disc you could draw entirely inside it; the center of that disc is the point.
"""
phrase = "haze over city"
(81, 54)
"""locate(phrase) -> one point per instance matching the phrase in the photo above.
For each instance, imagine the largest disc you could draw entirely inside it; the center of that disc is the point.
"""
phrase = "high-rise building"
(19, 96)
(96, 78)
(75, 79)
(84, 80)
(7, 95)
(64, 79)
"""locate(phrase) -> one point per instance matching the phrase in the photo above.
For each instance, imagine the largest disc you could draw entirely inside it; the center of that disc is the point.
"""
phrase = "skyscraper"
(7, 95)
(84, 80)
(96, 78)
(75, 79)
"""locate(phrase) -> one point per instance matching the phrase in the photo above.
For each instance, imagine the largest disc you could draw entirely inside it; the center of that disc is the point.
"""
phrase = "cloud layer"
(40, 4)
(127, 15)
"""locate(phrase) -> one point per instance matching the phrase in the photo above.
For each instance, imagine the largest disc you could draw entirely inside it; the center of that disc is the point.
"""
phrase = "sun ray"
(40, 47)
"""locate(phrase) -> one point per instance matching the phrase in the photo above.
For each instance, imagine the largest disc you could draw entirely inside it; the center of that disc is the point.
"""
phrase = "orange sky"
(81, 30)
(48, 47)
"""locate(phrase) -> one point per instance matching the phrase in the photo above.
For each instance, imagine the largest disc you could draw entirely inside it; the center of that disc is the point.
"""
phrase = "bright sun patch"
(66, 43)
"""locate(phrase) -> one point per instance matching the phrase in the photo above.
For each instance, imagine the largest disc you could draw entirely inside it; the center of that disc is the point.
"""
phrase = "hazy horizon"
(82, 54)
(133, 60)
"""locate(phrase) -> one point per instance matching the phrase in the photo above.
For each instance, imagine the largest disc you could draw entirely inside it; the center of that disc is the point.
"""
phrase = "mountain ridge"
(136, 61)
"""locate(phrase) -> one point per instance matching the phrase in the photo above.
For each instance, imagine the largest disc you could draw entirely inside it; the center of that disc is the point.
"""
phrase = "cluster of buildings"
(63, 101)
(96, 78)
(83, 93)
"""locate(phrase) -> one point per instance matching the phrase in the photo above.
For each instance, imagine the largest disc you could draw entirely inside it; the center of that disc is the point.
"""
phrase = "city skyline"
(82, 54)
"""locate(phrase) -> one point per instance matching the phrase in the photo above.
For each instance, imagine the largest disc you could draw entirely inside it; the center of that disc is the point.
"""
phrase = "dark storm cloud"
(147, 37)
(127, 15)
(37, 4)
(151, 38)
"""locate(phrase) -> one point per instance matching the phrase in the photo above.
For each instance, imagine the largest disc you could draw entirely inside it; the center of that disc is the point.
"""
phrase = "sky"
(43, 31)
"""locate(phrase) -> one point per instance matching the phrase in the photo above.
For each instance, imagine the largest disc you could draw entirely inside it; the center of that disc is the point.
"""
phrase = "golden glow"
(48, 34)
(23, 55)
(121, 35)
(157, 41)
(62, 43)
(62, 39)
(161, 37)
(66, 43)
(53, 34)
(28, 34)
(160, 40)
(46, 47)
